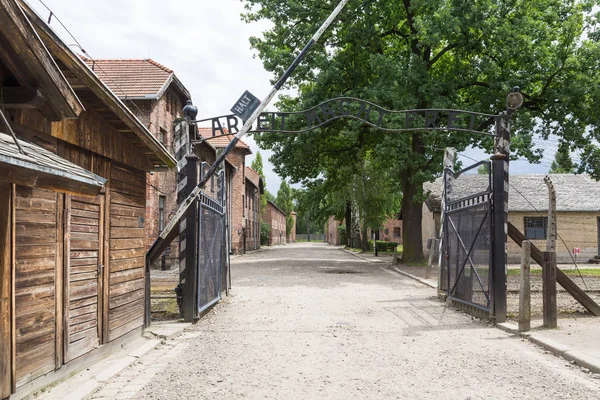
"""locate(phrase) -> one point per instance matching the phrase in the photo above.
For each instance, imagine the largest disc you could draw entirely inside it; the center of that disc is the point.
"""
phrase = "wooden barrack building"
(72, 206)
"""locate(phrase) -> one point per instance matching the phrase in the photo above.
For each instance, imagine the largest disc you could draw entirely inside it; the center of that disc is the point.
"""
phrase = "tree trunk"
(365, 239)
(411, 225)
(348, 225)
(412, 212)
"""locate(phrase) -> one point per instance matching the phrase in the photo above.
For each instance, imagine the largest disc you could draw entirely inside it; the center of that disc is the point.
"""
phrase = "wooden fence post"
(549, 289)
(525, 289)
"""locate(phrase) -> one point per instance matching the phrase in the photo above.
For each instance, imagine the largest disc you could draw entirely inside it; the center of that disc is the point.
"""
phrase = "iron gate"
(468, 235)
(211, 242)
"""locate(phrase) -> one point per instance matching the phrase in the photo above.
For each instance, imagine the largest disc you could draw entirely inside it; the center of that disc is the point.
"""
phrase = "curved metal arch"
(334, 109)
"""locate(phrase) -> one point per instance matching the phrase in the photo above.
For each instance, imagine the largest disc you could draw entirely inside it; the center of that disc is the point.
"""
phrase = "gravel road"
(308, 321)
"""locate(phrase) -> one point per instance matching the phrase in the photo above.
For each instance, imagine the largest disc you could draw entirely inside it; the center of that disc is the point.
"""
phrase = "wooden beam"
(21, 36)
(24, 97)
(13, 279)
(106, 260)
(5, 289)
(14, 64)
(24, 176)
(59, 282)
(564, 281)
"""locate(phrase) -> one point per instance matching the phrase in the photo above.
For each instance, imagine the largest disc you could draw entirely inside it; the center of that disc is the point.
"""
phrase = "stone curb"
(86, 382)
(558, 349)
(249, 252)
(361, 257)
(416, 278)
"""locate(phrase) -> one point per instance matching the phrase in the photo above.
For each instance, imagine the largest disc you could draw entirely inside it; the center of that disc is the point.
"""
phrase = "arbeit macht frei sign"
(367, 112)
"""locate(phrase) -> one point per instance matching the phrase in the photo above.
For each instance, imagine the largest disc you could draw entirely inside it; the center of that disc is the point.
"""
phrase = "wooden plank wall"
(5, 289)
(36, 262)
(127, 250)
(84, 227)
(91, 132)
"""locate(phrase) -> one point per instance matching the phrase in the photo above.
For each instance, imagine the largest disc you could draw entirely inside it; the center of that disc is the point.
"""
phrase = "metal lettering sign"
(245, 106)
(357, 109)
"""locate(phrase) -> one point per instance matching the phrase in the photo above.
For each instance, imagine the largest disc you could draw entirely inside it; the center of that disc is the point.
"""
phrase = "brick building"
(157, 97)
(391, 230)
(254, 187)
(276, 218)
(236, 185)
(332, 233)
(577, 212)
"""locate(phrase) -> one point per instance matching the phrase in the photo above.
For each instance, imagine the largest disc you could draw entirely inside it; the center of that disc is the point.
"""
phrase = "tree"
(432, 54)
(257, 165)
(285, 202)
(562, 163)
(483, 169)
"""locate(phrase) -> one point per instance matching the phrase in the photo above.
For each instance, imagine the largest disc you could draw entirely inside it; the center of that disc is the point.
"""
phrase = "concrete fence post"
(525, 289)
(434, 244)
(549, 289)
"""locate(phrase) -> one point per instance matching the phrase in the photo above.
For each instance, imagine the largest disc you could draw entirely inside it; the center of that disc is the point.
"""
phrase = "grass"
(538, 271)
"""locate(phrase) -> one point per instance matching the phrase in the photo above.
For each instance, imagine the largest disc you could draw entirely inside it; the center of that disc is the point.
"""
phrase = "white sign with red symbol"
(576, 250)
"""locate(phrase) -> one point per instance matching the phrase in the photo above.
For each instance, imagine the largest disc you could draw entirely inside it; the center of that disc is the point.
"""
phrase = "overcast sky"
(204, 42)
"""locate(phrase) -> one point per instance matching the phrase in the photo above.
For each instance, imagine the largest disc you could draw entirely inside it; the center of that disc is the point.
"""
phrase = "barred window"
(536, 227)
(161, 212)
(397, 232)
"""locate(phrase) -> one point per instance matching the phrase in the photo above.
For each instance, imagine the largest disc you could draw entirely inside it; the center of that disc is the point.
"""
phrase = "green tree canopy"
(285, 202)
(257, 165)
(415, 54)
(562, 163)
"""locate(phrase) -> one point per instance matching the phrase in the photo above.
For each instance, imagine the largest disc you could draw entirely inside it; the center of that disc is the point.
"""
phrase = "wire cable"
(560, 237)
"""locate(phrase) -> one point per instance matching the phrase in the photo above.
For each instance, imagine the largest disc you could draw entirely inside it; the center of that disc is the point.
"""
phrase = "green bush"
(382, 245)
(265, 233)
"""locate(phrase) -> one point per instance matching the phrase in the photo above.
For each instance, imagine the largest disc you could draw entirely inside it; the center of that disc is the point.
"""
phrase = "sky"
(204, 41)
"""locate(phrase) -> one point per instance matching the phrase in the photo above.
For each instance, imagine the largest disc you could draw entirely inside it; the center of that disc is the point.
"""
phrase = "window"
(536, 227)
(162, 134)
(397, 232)
(161, 212)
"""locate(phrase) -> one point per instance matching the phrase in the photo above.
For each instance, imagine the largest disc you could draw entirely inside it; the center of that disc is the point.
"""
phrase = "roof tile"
(221, 141)
(131, 78)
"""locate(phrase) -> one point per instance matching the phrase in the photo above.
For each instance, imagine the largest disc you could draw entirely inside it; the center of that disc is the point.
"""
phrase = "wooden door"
(84, 234)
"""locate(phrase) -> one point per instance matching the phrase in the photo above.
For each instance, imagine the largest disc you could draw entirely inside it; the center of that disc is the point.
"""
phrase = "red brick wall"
(391, 226)
(252, 215)
(276, 219)
(238, 192)
(157, 115)
(331, 230)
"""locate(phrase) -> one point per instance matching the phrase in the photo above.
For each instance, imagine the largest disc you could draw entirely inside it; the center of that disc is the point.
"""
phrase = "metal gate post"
(500, 176)
(498, 298)
(191, 239)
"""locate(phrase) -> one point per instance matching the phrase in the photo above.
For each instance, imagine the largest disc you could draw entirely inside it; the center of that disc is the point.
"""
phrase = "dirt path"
(307, 321)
